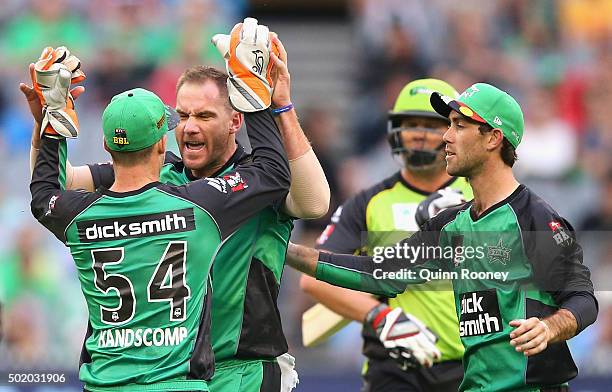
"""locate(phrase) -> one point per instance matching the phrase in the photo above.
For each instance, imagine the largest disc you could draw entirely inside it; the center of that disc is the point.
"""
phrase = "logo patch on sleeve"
(52, 201)
(236, 182)
(479, 314)
(559, 234)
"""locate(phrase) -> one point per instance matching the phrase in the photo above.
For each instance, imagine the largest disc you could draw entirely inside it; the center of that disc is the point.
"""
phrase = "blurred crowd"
(554, 56)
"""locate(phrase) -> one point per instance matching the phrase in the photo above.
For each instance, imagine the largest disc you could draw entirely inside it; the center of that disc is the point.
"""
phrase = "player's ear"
(236, 122)
(105, 146)
(496, 138)
(161, 145)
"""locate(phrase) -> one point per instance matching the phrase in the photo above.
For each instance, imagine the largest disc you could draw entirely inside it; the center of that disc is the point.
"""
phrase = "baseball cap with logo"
(136, 119)
(486, 104)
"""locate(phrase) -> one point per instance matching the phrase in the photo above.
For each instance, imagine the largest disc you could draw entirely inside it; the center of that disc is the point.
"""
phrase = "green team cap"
(413, 100)
(136, 119)
(486, 104)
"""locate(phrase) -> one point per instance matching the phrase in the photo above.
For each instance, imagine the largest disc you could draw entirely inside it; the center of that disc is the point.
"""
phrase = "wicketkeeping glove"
(437, 202)
(71, 62)
(53, 74)
(408, 341)
(247, 58)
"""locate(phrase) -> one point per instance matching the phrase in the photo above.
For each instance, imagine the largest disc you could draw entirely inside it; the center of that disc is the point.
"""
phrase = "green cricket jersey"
(246, 272)
(386, 211)
(144, 257)
(519, 259)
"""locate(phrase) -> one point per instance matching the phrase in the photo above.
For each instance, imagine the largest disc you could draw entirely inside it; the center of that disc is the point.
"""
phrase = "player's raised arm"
(51, 204)
(309, 194)
(263, 181)
(51, 85)
(78, 177)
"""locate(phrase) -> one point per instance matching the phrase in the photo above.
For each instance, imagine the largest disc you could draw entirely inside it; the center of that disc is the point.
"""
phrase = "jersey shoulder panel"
(533, 213)
(551, 247)
(64, 207)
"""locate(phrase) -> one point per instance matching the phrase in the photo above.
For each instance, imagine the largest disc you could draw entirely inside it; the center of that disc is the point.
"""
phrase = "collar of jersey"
(496, 205)
(145, 188)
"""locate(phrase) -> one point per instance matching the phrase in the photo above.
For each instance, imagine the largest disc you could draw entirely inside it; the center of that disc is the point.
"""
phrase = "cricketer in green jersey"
(246, 329)
(387, 212)
(168, 369)
(521, 292)
(144, 250)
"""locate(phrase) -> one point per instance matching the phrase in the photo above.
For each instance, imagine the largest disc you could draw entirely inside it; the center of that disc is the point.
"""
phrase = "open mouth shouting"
(194, 146)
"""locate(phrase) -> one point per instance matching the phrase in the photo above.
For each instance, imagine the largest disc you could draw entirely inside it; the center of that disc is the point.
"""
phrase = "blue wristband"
(282, 109)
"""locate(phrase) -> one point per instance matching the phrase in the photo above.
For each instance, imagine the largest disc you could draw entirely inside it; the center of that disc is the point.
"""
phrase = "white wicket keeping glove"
(52, 81)
(71, 62)
(247, 58)
(408, 341)
(437, 202)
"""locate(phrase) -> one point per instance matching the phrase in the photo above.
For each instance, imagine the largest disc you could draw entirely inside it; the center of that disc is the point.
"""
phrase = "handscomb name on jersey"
(141, 337)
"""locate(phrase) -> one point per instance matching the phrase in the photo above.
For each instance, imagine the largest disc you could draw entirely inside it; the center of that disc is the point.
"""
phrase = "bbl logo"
(120, 137)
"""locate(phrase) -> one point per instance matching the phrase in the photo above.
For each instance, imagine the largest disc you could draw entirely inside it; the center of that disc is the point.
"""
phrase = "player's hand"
(530, 337)
(408, 341)
(36, 107)
(247, 57)
(437, 202)
(51, 77)
(281, 79)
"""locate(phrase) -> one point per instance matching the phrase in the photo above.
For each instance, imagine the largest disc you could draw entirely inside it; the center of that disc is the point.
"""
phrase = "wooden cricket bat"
(319, 323)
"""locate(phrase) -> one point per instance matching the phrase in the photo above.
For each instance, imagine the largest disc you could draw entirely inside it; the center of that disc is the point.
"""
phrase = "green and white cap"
(486, 104)
(136, 119)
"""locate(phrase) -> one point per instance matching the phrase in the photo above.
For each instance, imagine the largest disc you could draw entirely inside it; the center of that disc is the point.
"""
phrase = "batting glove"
(407, 340)
(247, 58)
(53, 74)
(437, 202)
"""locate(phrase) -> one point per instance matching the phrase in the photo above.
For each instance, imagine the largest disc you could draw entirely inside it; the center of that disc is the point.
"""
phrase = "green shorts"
(246, 376)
